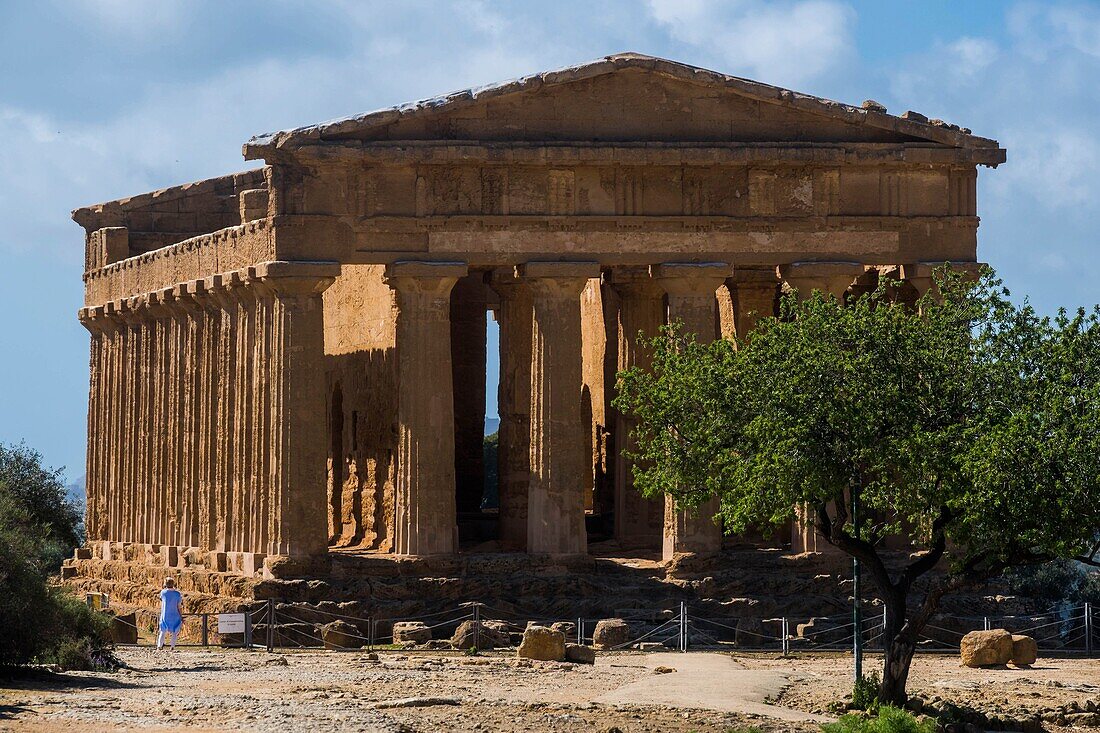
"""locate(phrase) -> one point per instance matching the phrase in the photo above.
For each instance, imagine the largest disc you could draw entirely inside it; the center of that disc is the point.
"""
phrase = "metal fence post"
(786, 637)
(683, 627)
(477, 625)
(270, 625)
(248, 629)
(205, 633)
(1088, 629)
(370, 634)
(985, 622)
(580, 631)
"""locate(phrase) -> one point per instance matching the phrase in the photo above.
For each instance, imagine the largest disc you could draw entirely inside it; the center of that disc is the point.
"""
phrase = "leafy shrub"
(865, 692)
(888, 720)
(39, 527)
(1060, 580)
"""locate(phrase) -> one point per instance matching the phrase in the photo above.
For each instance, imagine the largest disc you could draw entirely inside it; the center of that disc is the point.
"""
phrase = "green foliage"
(973, 420)
(1058, 580)
(34, 501)
(889, 720)
(865, 692)
(972, 410)
(39, 527)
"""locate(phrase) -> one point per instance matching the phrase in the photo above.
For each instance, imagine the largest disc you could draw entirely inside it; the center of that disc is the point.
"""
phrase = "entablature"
(413, 152)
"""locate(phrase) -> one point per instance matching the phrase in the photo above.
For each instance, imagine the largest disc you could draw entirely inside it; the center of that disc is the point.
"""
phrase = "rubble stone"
(542, 643)
(986, 648)
(610, 633)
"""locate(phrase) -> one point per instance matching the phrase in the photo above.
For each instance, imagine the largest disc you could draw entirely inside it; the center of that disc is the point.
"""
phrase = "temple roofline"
(910, 123)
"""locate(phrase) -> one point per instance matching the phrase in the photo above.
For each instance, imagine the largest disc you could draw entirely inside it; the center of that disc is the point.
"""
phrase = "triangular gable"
(627, 97)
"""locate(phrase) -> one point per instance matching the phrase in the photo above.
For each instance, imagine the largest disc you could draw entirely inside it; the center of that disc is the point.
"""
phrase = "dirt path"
(708, 681)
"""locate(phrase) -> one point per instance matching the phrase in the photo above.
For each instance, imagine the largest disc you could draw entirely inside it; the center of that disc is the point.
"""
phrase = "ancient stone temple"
(292, 360)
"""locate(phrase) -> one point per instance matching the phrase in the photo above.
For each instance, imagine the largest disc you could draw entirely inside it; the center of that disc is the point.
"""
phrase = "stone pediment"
(625, 98)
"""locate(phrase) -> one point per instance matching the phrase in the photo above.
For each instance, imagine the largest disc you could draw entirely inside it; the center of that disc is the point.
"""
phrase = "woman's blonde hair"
(169, 582)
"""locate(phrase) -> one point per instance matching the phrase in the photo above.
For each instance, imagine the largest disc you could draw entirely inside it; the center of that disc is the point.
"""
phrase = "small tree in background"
(968, 422)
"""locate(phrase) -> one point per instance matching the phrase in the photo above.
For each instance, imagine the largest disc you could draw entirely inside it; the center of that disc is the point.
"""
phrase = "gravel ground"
(1005, 692)
(217, 690)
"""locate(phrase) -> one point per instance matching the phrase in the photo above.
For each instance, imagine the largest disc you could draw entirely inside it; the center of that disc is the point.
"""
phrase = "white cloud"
(1035, 92)
(788, 43)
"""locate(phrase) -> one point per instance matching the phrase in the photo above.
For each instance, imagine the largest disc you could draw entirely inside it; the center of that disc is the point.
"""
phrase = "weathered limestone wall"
(360, 381)
(198, 392)
(158, 219)
(631, 104)
(192, 259)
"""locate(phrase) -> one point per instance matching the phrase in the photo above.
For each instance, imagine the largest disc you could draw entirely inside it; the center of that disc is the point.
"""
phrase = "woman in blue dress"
(170, 618)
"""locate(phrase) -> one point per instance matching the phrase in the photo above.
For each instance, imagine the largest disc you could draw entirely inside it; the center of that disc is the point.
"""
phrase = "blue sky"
(103, 99)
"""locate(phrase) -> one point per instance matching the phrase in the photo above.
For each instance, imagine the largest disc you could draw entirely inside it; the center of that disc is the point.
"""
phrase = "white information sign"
(230, 623)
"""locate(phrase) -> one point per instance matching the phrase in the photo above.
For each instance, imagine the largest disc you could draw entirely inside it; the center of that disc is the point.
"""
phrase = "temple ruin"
(290, 361)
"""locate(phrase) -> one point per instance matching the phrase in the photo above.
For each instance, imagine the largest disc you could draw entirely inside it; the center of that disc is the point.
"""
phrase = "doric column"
(225, 314)
(514, 406)
(296, 438)
(425, 522)
(832, 279)
(555, 510)
(641, 313)
(98, 328)
(208, 319)
(193, 383)
(691, 291)
(753, 292)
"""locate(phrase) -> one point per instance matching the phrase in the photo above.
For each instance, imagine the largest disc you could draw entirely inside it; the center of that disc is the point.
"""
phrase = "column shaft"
(514, 407)
(691, 289)
(555, 510)
(425, 522)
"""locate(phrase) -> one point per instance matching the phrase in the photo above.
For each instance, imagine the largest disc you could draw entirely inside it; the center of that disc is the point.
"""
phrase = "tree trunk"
(895, 671)
(900, 643)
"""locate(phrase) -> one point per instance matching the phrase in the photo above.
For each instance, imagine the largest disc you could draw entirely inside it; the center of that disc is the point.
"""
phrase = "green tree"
(34, 502)
(39, 527)
(968, 422)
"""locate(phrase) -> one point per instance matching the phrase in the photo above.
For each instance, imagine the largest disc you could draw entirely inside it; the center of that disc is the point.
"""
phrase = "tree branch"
(860, 549)
(928, 560)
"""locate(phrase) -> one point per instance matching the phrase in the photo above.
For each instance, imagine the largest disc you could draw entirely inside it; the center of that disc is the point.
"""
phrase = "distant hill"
(492, 424)
(75, 491)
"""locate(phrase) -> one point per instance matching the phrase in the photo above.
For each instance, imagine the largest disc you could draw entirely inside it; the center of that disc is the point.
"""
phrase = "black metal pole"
(857, 610)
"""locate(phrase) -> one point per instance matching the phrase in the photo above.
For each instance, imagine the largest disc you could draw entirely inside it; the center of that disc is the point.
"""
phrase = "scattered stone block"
(580, 654)
(542, 643)
(1024, 650)
(414, 631)
(124, 628)
(610, 633)
(566, 627)
(486, 637)
(340, 635)
(986, 648)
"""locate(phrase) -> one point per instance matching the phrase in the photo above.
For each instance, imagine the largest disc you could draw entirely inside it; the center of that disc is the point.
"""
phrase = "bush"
(865, 692)
(78, 637)
(1060, 580)
(39, 527)
(888, 720)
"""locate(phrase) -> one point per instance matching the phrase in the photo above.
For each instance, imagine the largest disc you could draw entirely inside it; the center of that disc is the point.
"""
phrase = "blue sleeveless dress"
(170, 618)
